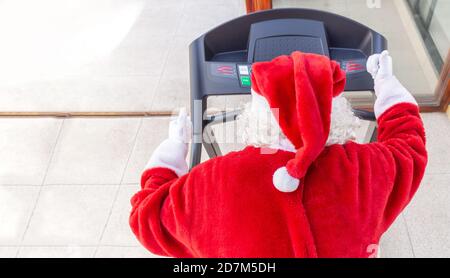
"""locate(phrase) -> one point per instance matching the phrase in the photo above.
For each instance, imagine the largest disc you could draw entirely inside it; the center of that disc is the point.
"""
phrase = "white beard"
(261, 129)
(343, 122)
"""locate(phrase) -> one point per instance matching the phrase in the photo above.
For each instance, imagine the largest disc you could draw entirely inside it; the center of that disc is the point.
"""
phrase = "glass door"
(432, 19)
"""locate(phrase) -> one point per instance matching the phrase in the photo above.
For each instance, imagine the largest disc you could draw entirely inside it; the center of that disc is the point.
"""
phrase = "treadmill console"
(221, 59)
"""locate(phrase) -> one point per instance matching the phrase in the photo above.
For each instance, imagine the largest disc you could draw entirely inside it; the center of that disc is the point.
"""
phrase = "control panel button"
(245, 81)
(244, 75)
(243, 70)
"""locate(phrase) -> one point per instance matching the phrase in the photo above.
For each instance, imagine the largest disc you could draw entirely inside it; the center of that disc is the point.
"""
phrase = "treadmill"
(220, 60)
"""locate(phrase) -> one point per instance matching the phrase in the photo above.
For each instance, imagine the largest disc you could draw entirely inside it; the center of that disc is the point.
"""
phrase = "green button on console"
(245, 81)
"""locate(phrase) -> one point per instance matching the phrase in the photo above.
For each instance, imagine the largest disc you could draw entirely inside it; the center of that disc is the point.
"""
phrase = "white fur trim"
(343, 122)
(285, 182)
(389, 93)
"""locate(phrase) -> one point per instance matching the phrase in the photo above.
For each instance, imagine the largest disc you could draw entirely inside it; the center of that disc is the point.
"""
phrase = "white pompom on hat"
(285, 182)
(301, 86)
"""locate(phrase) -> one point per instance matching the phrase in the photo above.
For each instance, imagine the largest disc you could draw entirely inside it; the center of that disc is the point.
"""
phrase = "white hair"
(261, 129)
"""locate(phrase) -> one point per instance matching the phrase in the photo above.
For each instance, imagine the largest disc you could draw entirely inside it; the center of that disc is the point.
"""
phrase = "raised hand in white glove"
(172, 152)
(388, 89)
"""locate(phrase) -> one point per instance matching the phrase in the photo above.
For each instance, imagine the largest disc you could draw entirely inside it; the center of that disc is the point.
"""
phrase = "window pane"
(440, 27)
(424, 8)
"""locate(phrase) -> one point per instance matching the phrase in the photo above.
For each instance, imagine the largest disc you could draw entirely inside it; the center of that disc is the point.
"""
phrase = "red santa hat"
(301, 86)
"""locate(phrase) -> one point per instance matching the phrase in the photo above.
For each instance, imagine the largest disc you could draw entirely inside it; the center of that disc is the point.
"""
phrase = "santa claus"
(316, 193)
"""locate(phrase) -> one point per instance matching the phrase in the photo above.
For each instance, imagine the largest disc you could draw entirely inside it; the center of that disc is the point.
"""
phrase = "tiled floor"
(65, 188)
(148, 69)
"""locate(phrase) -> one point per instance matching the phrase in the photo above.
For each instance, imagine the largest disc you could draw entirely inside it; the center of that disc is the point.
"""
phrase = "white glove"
(172, 152)
(388, 89)
(380, 65)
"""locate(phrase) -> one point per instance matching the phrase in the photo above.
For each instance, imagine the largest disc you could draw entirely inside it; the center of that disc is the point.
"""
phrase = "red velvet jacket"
(228, 206)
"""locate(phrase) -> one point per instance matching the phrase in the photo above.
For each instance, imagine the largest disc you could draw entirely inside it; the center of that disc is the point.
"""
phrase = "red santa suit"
(328, 201)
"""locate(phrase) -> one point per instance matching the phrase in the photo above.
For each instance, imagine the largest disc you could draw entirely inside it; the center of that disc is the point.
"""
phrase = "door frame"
(258, 5)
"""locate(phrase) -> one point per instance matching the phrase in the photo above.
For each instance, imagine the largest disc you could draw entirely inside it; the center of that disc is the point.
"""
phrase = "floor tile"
(395, 243)
(82, 93)
(142, 55)
(437, 129)
(173, 87)
(16, 206)
(122, 80)
(157, 19)
(70, 215)
(428, 217)
(118, 231)
(172, 93)
(153, 131)
(92, 151)
(25, 148)
(56, 252)
(144, 49)
(337, 6)
(124, 252)
(200, 17)
(8, 251)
